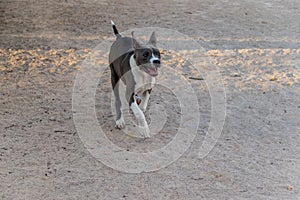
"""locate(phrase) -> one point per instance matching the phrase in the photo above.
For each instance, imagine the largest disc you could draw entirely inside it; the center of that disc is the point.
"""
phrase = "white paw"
(143, 106)
(144, 109)
(145, 131)
(120, 123)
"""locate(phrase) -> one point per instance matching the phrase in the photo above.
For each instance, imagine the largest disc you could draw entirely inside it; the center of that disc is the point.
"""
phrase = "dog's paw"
(143, 108)
(145, 131)
(120, 123)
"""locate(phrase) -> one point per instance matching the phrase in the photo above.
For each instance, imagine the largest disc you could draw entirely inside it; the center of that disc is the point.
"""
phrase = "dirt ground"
(254, 44)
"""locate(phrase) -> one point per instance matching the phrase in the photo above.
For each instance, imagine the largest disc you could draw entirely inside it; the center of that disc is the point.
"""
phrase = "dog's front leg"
(139, 115)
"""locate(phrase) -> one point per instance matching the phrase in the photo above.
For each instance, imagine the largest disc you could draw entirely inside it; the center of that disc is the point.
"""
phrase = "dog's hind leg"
(145, 99)
(120, 123)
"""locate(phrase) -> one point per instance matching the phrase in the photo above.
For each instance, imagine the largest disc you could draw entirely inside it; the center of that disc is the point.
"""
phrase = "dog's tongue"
(153, 71)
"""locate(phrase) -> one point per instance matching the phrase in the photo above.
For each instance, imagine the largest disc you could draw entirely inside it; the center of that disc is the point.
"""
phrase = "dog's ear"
(135, 43)
(152, 39)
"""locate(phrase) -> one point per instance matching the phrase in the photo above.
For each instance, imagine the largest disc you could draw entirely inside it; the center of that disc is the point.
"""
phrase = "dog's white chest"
(142, 80)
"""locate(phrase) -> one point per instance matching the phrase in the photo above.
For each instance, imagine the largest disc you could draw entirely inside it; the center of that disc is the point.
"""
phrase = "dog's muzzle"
(153, 69)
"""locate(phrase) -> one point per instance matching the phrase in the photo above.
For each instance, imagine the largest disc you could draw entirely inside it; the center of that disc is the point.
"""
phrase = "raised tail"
(116, 32)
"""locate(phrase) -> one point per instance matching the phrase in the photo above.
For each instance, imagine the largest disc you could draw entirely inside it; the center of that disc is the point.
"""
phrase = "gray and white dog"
(136, 64)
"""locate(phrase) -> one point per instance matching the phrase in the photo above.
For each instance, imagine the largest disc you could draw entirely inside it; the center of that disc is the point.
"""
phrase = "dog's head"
(147, 56)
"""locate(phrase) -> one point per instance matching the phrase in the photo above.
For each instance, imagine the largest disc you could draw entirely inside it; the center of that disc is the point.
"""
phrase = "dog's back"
(119, 58)
(122, 46)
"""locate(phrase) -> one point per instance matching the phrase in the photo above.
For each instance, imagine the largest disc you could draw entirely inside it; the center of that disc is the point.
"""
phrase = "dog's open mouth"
(152, 70)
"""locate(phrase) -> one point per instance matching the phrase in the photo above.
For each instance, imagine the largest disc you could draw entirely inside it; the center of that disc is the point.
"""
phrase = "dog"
(136, 64)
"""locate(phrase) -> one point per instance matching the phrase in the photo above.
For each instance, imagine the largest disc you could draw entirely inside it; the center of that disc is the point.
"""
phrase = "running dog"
(136, 64)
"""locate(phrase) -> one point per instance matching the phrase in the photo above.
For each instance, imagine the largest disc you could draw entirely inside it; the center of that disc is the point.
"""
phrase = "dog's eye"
(146, 54)
(156, 53)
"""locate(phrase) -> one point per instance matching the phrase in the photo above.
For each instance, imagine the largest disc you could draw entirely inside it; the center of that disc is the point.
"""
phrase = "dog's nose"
(156, 61)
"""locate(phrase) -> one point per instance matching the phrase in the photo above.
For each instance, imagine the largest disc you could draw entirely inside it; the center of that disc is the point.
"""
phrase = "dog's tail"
(116, 32)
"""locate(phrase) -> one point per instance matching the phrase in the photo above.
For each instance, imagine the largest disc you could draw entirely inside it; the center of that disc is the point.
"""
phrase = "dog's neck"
(134, 66)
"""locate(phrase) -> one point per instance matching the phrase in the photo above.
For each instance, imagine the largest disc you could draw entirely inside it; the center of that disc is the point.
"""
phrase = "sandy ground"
(256, 47)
